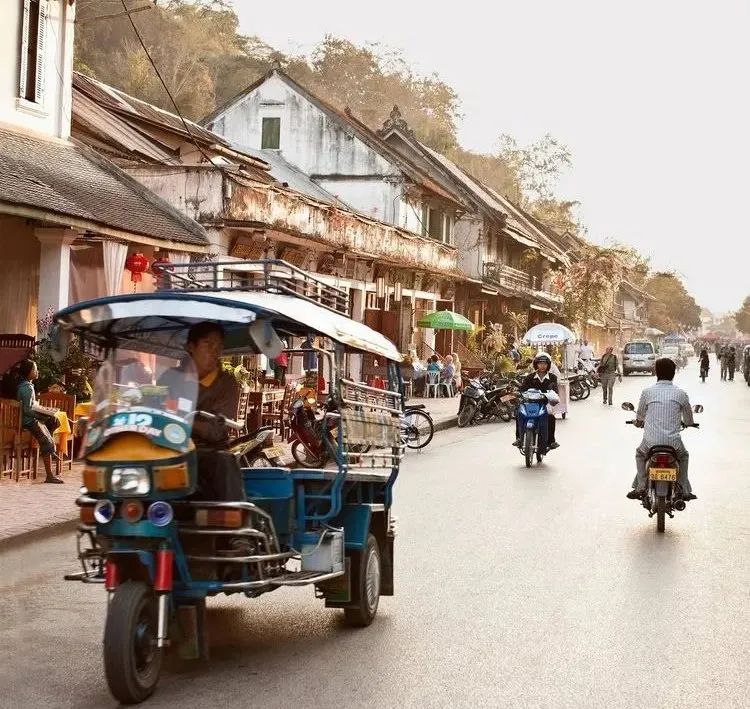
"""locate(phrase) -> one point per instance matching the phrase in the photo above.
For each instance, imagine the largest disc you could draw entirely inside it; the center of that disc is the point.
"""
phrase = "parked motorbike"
(579, 388)
(257, 449)
(312, 436)
(589, 372)
(663, 497)
(532, 417)
(481, 400)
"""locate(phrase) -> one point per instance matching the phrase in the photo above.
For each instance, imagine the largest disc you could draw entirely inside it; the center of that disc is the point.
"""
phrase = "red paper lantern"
(137, 264)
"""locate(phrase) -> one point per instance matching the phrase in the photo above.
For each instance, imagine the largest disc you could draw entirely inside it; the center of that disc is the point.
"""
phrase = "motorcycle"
(532, 423)
(579, 388)
(589, 372)
(310, 433)
(662, 496)
(256, 450)
(481, 400)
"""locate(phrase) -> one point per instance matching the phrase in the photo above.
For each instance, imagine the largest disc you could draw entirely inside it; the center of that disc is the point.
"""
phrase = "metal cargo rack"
(266, 275)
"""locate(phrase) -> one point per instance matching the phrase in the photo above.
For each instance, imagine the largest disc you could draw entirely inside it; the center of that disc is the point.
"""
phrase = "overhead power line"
(164, 84)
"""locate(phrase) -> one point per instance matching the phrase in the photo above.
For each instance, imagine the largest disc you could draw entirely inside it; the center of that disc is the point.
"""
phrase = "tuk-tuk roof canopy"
(158, 322)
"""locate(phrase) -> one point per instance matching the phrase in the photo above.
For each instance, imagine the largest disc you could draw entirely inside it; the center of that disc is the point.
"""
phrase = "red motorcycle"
(309, 448)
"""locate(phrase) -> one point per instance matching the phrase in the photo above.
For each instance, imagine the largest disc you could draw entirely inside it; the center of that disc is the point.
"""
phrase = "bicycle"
(417, 427)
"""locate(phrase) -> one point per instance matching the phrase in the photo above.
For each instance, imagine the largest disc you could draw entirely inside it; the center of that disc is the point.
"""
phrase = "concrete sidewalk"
(443, 410)
(30, 509)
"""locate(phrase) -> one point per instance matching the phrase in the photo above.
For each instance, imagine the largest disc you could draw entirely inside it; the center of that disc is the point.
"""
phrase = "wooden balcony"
(508, 276)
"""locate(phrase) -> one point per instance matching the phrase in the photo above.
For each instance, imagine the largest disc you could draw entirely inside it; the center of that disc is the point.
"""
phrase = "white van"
(638, 356)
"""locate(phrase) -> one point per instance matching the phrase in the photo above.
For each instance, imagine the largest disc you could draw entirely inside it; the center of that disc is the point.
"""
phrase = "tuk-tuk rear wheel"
(132, 662)
(368, 580)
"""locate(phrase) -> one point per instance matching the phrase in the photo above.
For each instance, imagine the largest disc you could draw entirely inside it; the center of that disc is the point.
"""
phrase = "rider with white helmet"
(541, 379)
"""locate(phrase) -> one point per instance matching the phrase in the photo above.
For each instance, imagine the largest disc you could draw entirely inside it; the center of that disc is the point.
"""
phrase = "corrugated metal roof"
(287, 174)
(120, 101)
(66, 178)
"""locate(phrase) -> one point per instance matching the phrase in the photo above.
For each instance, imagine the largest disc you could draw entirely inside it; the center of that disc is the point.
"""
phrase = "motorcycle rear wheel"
(528, 447)
(304, 457)
(661, 513)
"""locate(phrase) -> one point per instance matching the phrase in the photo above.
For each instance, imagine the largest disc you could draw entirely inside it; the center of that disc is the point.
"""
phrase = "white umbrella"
(549, 333)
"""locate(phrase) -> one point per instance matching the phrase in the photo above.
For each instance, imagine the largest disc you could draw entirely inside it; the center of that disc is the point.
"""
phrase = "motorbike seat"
(415, 407)
(661, 449)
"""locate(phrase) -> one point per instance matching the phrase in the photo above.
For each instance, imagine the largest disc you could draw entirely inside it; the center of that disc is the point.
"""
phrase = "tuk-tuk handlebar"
(229, 423)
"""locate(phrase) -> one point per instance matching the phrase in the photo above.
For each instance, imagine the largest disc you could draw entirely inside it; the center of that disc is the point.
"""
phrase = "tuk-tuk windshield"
(134, 382)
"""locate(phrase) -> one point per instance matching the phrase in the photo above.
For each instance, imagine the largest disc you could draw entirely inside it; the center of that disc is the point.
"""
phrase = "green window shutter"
(271, 134)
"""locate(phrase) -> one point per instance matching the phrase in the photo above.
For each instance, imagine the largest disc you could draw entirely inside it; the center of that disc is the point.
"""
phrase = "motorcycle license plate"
(273, 452)
(665, 474)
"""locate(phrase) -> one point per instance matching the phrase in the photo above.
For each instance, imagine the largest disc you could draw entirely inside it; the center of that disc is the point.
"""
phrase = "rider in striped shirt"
(662, 410)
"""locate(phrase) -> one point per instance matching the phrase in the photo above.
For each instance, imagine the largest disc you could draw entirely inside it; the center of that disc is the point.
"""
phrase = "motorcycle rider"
(662, 409)
(542, 380)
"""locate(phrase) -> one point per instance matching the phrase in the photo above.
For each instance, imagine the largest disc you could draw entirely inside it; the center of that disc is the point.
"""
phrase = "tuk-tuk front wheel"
(132, 662)
(367, 577)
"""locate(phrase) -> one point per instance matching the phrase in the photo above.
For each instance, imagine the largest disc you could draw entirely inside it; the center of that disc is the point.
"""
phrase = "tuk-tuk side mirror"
(265, 339)
(627, 406)
(698, 409)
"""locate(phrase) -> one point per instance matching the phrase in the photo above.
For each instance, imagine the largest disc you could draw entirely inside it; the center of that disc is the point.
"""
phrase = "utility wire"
(166, 88)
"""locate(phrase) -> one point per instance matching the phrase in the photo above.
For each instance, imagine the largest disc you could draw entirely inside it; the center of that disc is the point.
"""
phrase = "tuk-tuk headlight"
(130, 481)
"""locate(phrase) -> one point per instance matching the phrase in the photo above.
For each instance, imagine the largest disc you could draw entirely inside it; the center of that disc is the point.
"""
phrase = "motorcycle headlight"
(130, 481)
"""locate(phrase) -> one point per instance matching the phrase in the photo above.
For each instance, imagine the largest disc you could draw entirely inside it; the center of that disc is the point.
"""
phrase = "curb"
(445, 424)
(35, 535)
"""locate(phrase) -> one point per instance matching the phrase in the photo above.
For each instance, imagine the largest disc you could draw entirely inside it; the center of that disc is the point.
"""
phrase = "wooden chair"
(241, 414)
(285, 430)
(66, 403)
(9, 427)
(19, 452)
(272, 413)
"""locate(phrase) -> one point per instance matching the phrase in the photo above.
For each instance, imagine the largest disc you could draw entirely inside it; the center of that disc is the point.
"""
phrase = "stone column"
(54, 268)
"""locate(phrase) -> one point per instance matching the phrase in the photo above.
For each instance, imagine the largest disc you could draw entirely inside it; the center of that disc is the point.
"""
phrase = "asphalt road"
(515, 588)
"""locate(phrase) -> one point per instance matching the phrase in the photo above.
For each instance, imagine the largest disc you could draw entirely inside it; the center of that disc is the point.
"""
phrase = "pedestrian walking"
(609, 370)
(731, 363)
(723, 358)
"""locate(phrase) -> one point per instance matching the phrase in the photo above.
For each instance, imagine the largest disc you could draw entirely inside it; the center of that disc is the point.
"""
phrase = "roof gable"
(349, 123)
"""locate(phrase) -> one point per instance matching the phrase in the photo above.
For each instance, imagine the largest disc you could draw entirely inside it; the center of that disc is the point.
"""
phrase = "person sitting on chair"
(31, 422)
(218, 394)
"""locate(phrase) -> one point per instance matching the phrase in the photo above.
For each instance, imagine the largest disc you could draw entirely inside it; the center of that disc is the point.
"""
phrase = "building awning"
(595, 323)
(489, 291)
(540, 308)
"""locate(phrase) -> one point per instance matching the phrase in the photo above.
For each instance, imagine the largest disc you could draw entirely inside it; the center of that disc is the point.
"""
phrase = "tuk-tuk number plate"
(273, 452)
(665, 474)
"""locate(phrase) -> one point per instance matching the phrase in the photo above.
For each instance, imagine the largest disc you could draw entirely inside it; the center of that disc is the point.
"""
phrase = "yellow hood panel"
(131, 446)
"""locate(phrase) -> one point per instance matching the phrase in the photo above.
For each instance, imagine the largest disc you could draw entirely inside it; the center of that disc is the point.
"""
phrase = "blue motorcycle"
(532, 425)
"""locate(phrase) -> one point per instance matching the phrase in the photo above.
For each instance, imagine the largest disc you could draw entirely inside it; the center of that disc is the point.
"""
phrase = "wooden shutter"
(41, 45)
(271, 133)
(24, 48)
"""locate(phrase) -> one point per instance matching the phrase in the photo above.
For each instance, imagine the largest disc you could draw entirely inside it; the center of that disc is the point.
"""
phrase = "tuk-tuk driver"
(219, 477)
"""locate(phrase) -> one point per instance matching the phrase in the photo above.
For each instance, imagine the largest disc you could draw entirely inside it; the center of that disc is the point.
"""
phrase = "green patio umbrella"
(445, 320)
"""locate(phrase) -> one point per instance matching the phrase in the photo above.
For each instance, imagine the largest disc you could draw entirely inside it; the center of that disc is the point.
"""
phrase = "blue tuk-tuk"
(159, 549)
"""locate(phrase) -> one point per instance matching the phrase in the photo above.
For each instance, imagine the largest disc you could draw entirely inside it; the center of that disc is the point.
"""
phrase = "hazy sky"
(651, 96)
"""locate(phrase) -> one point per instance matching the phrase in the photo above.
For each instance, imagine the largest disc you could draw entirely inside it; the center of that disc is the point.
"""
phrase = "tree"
(674, 308)
(589, 285)
(742, 317)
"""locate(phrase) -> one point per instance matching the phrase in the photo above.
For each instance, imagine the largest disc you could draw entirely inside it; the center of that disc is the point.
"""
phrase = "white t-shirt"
(586, 352)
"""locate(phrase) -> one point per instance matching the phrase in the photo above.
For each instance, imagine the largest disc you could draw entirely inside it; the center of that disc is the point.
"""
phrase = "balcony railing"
(508, 276)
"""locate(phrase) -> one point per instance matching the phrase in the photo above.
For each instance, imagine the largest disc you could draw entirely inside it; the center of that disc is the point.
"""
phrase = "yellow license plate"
(665, 474)
(274, 452)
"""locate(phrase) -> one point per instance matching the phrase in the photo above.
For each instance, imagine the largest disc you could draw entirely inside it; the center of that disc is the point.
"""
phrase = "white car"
(638, 356)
